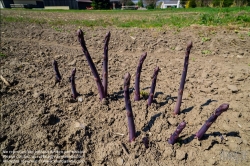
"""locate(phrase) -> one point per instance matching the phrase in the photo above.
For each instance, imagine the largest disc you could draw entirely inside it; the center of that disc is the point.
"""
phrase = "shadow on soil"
(209, 101)
(168, 98)
(214, 134)
(120, 94)
(187, 110)
(151, 122)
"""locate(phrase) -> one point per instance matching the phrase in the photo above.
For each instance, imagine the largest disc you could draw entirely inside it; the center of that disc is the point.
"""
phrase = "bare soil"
(38, 116)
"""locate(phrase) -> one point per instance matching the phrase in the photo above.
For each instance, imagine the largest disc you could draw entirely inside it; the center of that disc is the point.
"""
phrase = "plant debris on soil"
(37, 116)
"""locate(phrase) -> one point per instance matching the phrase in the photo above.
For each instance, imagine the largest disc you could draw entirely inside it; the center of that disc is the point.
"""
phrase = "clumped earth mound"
(36, 115)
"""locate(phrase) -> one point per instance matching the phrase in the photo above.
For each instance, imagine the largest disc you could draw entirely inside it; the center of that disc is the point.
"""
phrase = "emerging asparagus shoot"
(145, 142)
(172, 140)
(183, 79)
(211, 120)
(73, 85)
(137, 77)
(152, 90)
(105, 65)
(58, 77)
(131, 125)
(91, 64)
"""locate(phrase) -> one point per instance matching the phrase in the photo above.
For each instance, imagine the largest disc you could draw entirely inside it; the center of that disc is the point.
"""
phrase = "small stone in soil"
(180, 155)
(36, 95)
(80, 99)
(70, 108)
(51, 143)
(119, 161)
(239, 78)
(233, 88)
(212, 161)
(178, 48)
(231, 76)
(168, 152)
(79, 125)
(172, 121)
(72, 63)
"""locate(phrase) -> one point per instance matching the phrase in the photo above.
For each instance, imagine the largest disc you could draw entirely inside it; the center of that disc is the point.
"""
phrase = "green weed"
(241, 36)
(213, 32)
(144, 94)
(179, 142)
(172, 48)
(2, 54)
(57, 29)
(206, 52)
(204, 39)
(243, 18)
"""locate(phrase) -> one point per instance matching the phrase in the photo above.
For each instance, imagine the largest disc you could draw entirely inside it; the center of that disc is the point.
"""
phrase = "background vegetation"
(100, 4)
(171, 17)
(214, 3)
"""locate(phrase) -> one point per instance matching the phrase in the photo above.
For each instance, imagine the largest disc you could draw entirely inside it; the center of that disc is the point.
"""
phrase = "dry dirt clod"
(173, 121)
(180, 155)
(36, 95)
(233, 88)
(120, 161)
(178, 48)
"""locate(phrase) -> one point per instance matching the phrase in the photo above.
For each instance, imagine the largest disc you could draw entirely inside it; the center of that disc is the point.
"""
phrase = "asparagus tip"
(108, 34)
(79, 33)
(74, 71)
(190, 45)
(127, 77)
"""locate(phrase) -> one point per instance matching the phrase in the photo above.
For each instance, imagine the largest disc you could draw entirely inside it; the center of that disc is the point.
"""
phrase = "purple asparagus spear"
(183, 78)
(137, 77)
(105, 65)
(211, 120)
(131, 124)
(90, 62)
(58, 77)
(145, 142)
(152, 90)
(73, 85)
(172, 140)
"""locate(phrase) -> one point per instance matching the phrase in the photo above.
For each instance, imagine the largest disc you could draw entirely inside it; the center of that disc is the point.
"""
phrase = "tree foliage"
(159, 5)
(100, 4)
(140, 3)
(222, 3)
(127, 2)
(191, 4)
(183, 3)
(150, 3)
